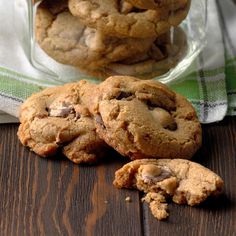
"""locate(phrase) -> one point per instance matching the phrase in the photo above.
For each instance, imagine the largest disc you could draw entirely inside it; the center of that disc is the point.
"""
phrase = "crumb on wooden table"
(128, 199)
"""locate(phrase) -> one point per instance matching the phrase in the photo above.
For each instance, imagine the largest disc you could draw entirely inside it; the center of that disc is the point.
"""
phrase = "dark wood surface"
(56, 197)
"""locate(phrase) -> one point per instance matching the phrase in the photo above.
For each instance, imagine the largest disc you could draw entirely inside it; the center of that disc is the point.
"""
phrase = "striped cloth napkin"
(209, 83)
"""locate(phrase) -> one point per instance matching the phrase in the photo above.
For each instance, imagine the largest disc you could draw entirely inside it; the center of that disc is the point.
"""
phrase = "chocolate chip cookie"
(145, 119)
(184, 181)
(159, 59)
(56, 119)
(108, 16)
(152, 4)
(66, 39)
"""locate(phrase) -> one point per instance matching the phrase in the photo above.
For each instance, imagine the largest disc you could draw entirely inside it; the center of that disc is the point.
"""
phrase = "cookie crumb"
(106, 202)
(128, 199)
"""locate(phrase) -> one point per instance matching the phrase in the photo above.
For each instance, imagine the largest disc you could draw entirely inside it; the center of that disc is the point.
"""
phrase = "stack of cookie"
(113, 37)
(141, 119)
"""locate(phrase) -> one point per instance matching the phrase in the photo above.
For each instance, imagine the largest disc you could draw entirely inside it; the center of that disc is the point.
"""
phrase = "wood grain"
(55, 197)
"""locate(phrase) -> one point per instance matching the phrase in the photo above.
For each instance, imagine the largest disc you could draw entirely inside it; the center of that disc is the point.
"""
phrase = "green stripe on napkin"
(13, 84)
(230, 71)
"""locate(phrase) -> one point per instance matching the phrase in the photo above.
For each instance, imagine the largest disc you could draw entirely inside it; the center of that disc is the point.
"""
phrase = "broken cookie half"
(184, 181)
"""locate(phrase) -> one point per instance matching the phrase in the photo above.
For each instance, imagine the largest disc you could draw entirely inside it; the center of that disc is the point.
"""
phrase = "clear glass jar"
(193, 26)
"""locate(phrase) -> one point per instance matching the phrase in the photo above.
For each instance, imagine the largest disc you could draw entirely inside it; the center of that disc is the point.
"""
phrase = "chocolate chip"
(130, 136)
(125, 96)
(137, 10)
(152, 173)
(77, 116)
(164, 118)
(151, 105)
(172, 126)
(62, 111)
(99, 121)
(66, 111)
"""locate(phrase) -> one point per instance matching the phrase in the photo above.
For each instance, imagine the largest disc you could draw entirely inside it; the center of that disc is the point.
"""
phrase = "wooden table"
(56, 197)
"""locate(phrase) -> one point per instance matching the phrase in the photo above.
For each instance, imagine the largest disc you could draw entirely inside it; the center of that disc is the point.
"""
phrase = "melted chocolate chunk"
(63, 110)
(172, 126)
(99, 121)
(151, 105)
(77, 116)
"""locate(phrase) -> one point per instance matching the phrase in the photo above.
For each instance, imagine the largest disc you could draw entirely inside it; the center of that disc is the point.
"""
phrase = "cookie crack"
(128, 96)
(49, 26)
